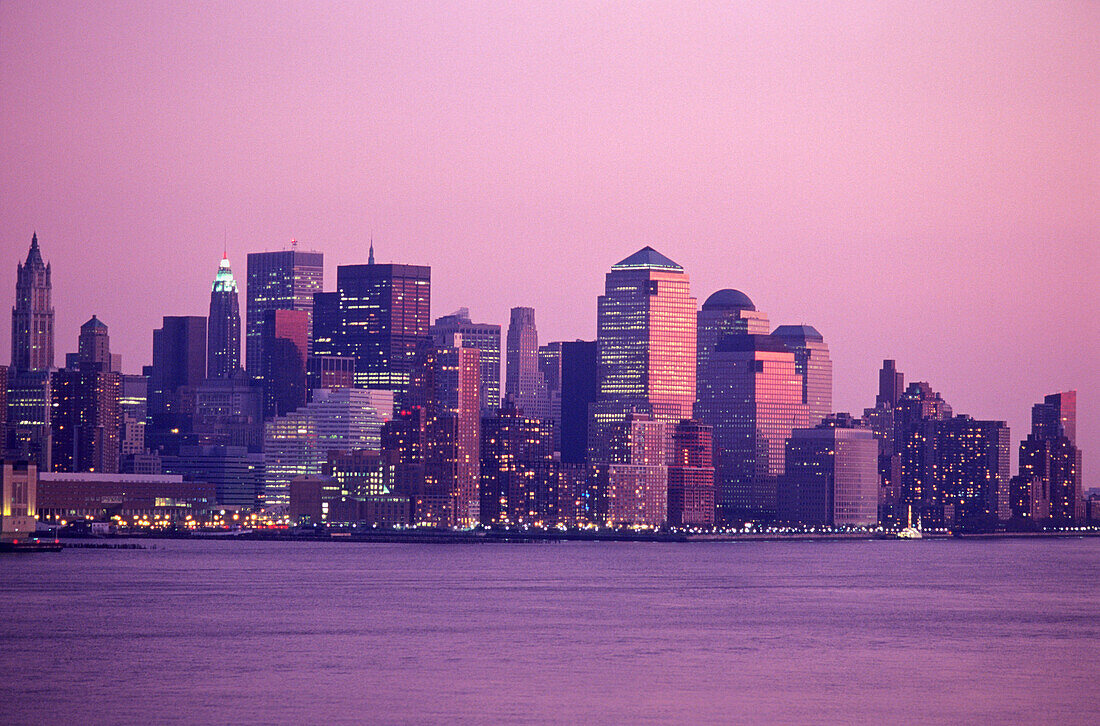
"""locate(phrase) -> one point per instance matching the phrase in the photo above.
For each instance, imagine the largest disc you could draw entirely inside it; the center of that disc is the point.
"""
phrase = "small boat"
(911, 532)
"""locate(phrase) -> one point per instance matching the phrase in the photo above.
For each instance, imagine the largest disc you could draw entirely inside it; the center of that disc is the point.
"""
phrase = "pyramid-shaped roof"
(34, 255)
(646, 258)
(92, 324)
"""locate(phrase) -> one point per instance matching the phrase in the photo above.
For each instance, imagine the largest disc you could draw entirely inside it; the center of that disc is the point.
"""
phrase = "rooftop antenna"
(293, 244)
(370, 257)
(225, 242)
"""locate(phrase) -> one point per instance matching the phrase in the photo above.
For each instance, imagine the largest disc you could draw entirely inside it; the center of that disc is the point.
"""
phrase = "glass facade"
(285, 280)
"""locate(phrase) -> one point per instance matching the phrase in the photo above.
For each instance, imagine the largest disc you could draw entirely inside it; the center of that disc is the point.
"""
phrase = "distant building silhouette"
(523, 381)
(284, 343)
(726, 312)
(579, 387)
(1050, 455)
(179, 367)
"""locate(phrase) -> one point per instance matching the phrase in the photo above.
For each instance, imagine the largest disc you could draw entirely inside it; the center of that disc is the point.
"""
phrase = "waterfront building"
(18, 499)
(32, 317)
(284, 350)
(646, 333)
(691, 475)
(637, 475)
(916, 417)
(811, 361)
(726, 312)
(830, 476)
(223, 344)
(73, 496)
(1050, 453)
(880, 419)
(579, 387)
(1030, 499)
(236, 474)
(179, 367)
(283, 280)
(523, 381)
(451, 330)
(384, 316)
(518, 477)
(972, 468)
(750, 393)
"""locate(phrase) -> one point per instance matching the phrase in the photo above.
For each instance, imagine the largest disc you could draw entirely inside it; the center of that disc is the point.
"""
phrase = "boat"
(911, 532)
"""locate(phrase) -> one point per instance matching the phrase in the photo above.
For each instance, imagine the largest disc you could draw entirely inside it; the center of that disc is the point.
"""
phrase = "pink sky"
(917, 180)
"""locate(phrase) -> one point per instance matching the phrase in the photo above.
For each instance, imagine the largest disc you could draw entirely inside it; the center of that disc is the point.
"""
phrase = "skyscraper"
(646, 333)
(85, 420)
(523, 381)
(518, 479)
(579, 386)
(285, 338)
(972, 470)
(751, 395)
(384, 316)
(637, 475)
(830, 476)
(691, 475)
(811, 361)
(1050, 454)
(179, 367)
(223, 328)
(285, 280)
(726, 312)
(483, 336)
(32, 315)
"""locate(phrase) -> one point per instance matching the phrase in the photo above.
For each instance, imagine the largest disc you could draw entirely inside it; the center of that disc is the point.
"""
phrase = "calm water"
(819, 632)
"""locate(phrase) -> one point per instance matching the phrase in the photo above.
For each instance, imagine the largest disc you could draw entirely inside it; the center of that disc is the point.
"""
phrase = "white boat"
(911, 532)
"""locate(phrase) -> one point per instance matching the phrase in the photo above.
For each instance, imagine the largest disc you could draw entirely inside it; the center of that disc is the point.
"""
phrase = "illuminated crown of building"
(223, 281)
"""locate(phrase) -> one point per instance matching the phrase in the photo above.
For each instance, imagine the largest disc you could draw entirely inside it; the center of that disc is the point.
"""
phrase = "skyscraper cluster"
(351, 405)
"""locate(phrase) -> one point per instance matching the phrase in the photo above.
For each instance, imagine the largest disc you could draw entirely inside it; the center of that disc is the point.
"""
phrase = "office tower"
(29, 413)
(550, 367)
(517, 469)
(830, 476)
(972, 469)
(523, 381)
(891, 384)
(326, 324)
(285, 280)
(751, 395)
(1050, 453)
(726, 312)
(636, 479)
(579, 386)
(133, 410)
(916, 416)
(85, 417)
(32, 315)
(284, 342)
(3, 411)
(229, 412)
(298, 443)
(223, 344)
(483, 336)
(811, 361)
(179, 366)
(329, 371)
(691, 475)
(384, 315)
(236, 474)
(646, 329)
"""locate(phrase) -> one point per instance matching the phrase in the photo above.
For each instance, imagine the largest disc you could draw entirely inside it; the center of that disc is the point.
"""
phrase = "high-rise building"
(1050, 454)
(691, 475)
(637, 477)
(179, 366)
(550, 367)
(384, 316)
(133, 411)
(811, 361)
(891, 384)
(85, 417)
(523, 381)
(830, 476)
(486, 338)
(726, 312)
(29, 415)
(916, 417)
(972, 469)
(646, 333)
(284, 343)
(518, 477)
(236, 474)
(299, 443)
(329, 371)
(32, 316)
(229, 412)
(579, 386)
(751, 395)
(327, 327)
(223, 344)
(880, 419)
(285, 280)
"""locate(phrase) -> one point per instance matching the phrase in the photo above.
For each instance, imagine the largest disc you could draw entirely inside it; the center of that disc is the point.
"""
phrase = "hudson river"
(981, 631)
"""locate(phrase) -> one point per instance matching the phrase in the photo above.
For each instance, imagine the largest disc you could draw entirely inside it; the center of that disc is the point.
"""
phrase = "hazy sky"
(919, 181)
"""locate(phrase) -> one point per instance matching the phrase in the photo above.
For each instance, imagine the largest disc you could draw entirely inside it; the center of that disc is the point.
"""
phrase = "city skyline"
(956, 239)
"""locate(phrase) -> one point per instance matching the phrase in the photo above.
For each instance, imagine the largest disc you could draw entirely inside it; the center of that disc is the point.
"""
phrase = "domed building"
(724, 313)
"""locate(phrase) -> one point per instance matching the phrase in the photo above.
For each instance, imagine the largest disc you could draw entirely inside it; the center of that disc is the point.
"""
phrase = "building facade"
(486, 338)
(284, 280)
(812, 362)
(32, 317)
(223, 329)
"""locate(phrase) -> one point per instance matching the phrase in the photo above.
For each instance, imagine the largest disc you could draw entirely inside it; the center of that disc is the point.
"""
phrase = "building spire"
(370, 257)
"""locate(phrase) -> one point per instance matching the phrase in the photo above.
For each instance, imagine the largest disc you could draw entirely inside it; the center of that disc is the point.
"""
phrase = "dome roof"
(729, 300)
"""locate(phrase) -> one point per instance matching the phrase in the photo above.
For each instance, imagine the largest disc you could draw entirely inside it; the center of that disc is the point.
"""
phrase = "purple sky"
(920, 183)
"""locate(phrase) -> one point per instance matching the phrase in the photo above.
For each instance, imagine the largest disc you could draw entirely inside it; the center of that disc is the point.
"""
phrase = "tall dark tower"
(32, 316)
(223, 331)
(523, 381)
(285, 280)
